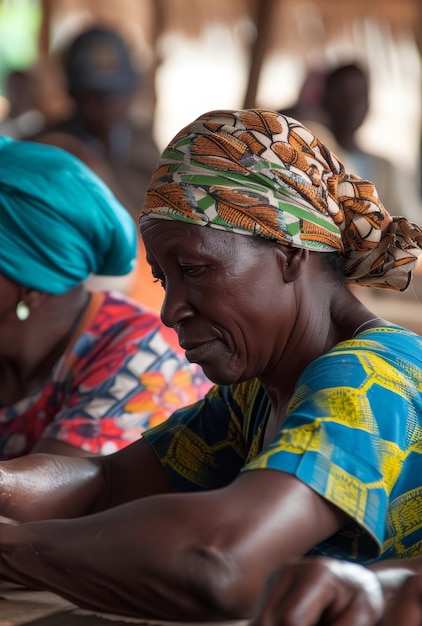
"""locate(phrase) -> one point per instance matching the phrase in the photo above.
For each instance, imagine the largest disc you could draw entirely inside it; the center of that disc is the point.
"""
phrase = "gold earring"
(22, 311)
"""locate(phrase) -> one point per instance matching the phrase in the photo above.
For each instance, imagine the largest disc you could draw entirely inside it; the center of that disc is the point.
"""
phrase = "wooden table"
(21, 607)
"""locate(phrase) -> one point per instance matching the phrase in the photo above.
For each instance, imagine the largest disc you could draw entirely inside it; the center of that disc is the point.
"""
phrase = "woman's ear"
(292, 261)
(33, 298)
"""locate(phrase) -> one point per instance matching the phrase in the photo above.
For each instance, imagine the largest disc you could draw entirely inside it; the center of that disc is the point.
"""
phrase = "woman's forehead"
(153, 225)
(161, 235)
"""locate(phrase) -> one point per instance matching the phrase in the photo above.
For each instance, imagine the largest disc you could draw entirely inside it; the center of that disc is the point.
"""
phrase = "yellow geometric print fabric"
(355, 440)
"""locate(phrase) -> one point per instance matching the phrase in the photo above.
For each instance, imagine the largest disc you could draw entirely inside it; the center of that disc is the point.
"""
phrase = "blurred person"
(345, 102)
(307, 442)
(102, 82)
(81, 372)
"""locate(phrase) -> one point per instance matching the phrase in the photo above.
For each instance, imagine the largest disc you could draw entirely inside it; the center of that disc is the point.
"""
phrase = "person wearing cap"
(81, 372)
(309, 440)
(102, 82)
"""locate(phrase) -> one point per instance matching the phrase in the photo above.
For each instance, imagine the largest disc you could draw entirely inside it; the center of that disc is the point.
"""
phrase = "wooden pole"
(264, 10)
(44, 34)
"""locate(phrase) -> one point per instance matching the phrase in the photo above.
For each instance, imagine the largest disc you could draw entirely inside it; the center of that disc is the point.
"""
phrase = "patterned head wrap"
(256, 172)
(58, 221)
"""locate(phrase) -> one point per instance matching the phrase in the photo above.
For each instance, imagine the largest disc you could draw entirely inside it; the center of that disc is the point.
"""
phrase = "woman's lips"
(196, 353)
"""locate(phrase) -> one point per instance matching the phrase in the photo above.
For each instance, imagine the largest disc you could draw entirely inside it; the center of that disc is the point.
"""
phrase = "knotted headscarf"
(58, 221)
(256, 172)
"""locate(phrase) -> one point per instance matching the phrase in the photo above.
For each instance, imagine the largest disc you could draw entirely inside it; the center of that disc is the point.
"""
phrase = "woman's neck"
(28, 355)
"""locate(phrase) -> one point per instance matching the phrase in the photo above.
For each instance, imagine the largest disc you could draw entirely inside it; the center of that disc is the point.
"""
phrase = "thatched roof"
(310, 29)
(287, 20)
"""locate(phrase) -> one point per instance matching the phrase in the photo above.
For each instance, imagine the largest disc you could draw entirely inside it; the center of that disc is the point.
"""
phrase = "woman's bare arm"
(174, 556)
(45, 486)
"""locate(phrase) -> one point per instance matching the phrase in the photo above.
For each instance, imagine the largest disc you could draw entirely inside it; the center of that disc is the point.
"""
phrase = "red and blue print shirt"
(122, 373)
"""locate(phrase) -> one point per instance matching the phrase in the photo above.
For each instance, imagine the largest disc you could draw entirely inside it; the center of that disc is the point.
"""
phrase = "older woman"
(80, 372)
(309, 440)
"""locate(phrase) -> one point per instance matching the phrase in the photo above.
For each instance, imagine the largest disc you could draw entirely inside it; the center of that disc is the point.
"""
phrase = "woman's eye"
(193, 269)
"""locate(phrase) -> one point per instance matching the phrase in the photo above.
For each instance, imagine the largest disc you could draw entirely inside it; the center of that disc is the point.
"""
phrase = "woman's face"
(223, 296)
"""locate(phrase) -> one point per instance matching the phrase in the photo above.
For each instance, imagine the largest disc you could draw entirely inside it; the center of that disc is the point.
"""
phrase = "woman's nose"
(175, 307)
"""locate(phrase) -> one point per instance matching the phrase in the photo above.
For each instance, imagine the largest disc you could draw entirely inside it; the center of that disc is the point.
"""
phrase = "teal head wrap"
(59, 222)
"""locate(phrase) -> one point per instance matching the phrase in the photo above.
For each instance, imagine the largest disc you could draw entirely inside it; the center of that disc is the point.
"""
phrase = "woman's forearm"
(42, 486)
(129, 560)
(46, 486)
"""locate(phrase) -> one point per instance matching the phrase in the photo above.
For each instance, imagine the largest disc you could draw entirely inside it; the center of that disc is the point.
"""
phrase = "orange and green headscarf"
(257, 172)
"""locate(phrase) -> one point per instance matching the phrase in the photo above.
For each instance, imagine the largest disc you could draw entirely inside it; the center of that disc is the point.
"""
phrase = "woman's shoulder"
(387, 335)
(112, 321)
(119, 300)
(385, 345)
(117, 310)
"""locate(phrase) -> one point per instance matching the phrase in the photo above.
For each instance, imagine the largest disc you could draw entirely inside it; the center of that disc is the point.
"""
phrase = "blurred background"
(202, 55)
(195, 55)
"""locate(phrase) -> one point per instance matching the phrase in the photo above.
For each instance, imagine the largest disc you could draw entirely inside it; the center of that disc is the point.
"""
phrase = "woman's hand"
(406, 607)
(344, 594)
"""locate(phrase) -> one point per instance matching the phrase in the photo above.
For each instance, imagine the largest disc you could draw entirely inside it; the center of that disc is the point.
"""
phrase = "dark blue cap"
(99, 61)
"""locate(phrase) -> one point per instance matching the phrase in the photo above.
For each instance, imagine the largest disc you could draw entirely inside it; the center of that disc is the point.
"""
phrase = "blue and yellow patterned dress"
(353, 433)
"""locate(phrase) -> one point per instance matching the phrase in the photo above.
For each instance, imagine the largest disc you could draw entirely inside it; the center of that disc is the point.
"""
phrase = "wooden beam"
(45, 29)
(264, 10)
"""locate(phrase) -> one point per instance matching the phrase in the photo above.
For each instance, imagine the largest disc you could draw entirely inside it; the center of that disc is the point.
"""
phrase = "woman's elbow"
(221, 586)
